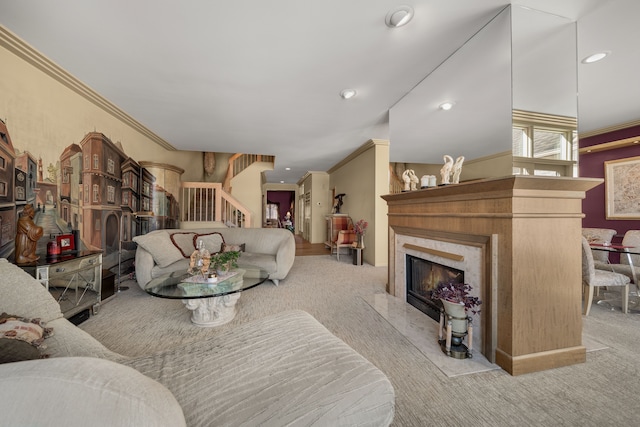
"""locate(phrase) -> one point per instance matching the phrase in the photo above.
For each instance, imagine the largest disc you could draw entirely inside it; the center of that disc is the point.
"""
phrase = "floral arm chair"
(343, 234)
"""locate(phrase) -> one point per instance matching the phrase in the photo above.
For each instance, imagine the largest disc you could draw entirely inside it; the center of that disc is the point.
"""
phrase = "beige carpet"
(601, 392)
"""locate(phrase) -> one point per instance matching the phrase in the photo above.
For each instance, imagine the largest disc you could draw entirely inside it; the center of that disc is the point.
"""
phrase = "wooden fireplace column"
(537, 316)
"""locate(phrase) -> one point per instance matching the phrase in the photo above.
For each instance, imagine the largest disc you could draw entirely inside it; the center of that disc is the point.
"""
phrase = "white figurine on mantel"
(457, 169)
(445, 172)
(410, 180)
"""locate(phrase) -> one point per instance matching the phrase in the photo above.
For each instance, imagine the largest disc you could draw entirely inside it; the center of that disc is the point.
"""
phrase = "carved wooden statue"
(27, 236)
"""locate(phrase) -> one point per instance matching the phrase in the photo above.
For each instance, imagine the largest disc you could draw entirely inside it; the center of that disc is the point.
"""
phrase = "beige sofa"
(285, 369)
(165, 251)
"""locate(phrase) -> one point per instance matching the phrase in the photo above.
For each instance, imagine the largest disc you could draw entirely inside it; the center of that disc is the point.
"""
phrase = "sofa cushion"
(159, 245)
(228, 247)
(183, 240)
(264, 261)
(24, 295)
(78, 391)
(212, 241)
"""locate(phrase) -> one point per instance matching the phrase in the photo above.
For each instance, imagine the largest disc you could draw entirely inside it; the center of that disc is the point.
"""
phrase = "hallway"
(304, 248)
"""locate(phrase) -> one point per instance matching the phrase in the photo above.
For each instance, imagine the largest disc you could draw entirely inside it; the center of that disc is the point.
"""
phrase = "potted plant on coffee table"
(225, 261)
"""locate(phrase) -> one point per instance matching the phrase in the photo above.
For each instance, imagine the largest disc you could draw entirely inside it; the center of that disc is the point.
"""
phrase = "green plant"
(224, 259)
(456, 292)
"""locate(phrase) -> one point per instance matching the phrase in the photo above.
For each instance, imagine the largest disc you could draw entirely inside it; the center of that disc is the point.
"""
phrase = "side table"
(74, 279)
(357, 256)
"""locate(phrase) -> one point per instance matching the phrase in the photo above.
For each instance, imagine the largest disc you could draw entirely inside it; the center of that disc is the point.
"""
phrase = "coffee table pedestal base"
(213, 311)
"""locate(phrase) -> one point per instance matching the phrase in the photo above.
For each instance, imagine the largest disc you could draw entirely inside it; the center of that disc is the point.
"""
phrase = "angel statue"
(457, 169)
(445, 172)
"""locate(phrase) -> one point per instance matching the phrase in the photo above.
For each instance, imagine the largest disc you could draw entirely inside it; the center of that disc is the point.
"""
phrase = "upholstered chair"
(343, 234)
(602, 236)
(592, 278)
(631, 238)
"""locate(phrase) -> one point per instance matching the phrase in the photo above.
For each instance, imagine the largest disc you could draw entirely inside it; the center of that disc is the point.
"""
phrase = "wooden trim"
(435, 252)
(545, 119)
(621, 143)
(609, 129)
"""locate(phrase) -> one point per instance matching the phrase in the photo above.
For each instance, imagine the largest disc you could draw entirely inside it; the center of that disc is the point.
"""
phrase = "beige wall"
(316, 183)
(247, 188)
(364, 177)
(499, 164)
(47, 109)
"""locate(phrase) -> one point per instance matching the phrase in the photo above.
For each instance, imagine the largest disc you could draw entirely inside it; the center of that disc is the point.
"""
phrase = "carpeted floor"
(602, 392)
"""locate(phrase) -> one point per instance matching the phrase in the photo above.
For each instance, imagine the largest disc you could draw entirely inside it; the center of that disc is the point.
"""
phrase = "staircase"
(205, 202)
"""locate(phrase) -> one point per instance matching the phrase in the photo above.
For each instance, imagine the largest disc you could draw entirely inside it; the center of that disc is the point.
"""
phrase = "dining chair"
(592, 278)
(601, 236)
(631, 238)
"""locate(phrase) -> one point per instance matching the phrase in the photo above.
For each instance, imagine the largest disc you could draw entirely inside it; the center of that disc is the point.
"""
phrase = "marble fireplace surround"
(475, 255)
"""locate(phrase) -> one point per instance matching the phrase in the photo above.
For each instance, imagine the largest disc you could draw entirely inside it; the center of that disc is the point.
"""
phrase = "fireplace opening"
(422, 277)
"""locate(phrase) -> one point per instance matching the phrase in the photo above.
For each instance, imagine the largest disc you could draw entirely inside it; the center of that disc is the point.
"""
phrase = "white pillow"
(159, 245)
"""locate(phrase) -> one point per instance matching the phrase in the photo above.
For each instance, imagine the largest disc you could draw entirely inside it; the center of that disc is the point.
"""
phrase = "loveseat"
(165, 251)
(286, 369)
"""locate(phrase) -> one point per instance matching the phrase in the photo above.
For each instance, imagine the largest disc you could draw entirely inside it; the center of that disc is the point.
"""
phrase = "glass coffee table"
(212, 301)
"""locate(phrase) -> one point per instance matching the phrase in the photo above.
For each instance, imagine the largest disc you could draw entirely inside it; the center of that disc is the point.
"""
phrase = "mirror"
(486, 82)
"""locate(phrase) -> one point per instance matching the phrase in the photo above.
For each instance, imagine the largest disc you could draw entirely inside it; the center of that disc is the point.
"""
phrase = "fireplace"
(422, 277)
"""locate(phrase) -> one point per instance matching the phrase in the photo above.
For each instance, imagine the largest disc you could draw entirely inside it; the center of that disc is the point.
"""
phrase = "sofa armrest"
(285, 256)
(144, 265)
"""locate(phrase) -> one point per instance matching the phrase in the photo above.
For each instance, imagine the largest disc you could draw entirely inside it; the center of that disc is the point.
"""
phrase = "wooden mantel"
(536, 221)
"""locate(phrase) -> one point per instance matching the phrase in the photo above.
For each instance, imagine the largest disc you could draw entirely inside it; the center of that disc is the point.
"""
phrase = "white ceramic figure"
(445, 172)
(457, 169)
(414, 180)
(406, 177)
(424, 181)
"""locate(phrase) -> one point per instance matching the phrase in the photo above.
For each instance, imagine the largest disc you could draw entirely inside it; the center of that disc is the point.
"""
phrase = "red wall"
(592, 165)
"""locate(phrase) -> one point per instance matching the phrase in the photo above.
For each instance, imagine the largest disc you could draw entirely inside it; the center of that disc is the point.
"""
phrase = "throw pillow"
(159, 245)
(212, 241)
(184, 242)
(12, 350)
(31, 332)
(228, 247)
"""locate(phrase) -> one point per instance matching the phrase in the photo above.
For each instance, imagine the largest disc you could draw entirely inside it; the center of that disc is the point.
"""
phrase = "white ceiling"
(264, 77)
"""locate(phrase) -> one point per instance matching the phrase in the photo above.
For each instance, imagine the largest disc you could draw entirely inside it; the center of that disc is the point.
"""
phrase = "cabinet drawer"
(67, 267)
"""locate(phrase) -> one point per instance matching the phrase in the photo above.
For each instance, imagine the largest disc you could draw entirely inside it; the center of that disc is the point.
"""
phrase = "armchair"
(341, 233)
(592, 278)
(603, 236)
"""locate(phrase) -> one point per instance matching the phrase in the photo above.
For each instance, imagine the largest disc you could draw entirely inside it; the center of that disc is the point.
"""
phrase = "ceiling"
(264, 77)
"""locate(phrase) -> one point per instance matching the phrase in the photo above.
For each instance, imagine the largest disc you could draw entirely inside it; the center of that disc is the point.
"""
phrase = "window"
(125, 179)
(96, 193)
(86, 193)
(3, 188)
(111, 194)
(96, 161)
(543, 144)
(125, 197)
(3, 163)
(86, 161)
(111, 166)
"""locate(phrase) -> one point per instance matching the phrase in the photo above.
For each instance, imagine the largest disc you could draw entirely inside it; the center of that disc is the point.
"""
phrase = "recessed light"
(348, 93)
(281, 182)
(446, 106)
(399, 16)
(595, 57)
(287, 169)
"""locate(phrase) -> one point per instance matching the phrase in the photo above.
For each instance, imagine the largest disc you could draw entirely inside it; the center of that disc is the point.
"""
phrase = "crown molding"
(26, 52)
(612, 128)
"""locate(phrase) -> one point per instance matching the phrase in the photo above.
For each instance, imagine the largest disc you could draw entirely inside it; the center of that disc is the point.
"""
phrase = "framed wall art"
(622, 188)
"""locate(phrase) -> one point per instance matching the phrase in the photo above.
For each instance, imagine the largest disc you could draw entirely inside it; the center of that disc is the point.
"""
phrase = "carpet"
(602, 391)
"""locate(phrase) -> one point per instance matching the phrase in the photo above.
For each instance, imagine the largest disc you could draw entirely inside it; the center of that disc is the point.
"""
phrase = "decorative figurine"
(445, 172)
(410, 180)
(27, 236)
(457, 169)
(339, 203)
